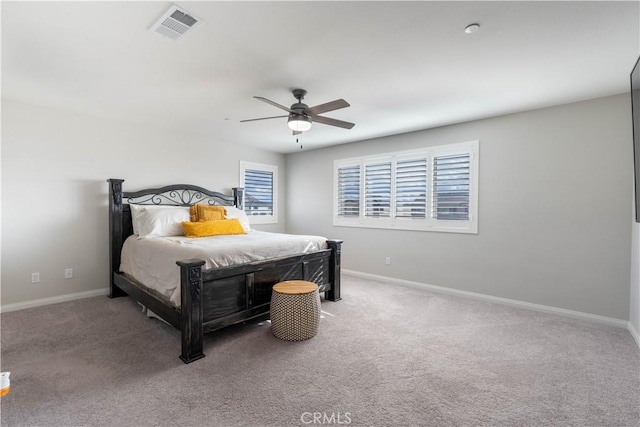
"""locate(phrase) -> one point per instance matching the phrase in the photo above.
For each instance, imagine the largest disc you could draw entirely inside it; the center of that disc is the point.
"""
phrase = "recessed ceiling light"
(472, 28)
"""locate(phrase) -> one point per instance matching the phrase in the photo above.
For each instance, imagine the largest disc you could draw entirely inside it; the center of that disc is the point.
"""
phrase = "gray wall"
(54, 190)
(554, 211)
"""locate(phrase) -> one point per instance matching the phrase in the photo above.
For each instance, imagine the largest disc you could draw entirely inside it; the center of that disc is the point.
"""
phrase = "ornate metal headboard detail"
(183, 195)
(172, 195)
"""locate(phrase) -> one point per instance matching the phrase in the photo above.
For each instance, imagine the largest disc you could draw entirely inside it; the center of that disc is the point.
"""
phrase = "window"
(348, 202)
(451, 187)
(377, 189)
(432, 189)
(260, 184)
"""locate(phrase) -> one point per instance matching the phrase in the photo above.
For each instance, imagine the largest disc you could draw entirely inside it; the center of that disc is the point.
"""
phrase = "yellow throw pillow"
(212, 228)
(210, 213)
(200, 212)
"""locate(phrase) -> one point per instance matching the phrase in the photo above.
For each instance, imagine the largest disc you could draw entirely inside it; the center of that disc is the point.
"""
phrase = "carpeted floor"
(385, 355)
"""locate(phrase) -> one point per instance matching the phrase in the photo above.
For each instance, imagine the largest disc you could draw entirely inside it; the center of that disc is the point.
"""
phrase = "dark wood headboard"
(120, 226)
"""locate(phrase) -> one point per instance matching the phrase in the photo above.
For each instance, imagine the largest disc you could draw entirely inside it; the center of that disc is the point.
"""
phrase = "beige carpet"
(385, 355)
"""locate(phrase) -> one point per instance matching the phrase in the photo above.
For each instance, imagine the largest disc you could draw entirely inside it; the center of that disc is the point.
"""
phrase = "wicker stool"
(295, 310)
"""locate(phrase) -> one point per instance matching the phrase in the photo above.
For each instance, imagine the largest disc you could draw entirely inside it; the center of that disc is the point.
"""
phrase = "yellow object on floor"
(4, 383)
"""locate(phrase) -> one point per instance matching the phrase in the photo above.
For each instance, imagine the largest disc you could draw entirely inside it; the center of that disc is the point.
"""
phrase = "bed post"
(115, 233)
(334, 270)
(191, 309)
(238, 197)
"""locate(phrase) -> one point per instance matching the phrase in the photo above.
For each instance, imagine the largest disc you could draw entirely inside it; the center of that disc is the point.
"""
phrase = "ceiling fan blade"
(275, 104)
(333, 122)
(329, 106)
(262, 118)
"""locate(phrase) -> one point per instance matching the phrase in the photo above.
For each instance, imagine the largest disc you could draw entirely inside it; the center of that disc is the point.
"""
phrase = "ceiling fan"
(301, 115)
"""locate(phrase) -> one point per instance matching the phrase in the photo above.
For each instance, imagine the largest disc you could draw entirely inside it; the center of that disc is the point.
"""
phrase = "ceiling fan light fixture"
(301, 117)
(299, 123)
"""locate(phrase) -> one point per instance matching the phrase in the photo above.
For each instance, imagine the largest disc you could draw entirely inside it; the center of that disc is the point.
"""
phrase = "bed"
(215, 297)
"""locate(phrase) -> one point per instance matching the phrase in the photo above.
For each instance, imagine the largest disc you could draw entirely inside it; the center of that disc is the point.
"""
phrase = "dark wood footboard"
(223, 296)
(215, 298)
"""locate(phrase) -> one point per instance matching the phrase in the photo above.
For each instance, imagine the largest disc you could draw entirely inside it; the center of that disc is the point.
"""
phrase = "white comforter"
(152, 261)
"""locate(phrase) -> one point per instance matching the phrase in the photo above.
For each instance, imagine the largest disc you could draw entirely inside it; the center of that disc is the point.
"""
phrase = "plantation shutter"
(451, 187)
(378, 189)
(258, 192)
(411, 188)
(349, 191)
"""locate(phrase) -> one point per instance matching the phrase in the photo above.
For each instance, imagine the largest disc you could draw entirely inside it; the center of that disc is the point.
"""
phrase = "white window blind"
(432, 189)
(411, 188)
(451, 187)
(378, 189)
(260, 192)
(349, 191)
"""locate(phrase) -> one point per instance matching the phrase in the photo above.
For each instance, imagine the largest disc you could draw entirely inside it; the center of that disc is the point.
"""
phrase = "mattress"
(152, 261)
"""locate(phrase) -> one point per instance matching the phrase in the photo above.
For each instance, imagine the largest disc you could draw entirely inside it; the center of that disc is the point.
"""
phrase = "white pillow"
(162, 221)
(136, 210)
(233, 212)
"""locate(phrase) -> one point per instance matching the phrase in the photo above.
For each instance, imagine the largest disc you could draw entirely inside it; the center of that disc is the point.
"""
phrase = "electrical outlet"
(68, 273)
(35, 277)
(387, 260)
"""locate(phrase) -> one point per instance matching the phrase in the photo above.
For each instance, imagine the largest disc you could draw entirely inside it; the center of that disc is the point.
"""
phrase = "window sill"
(262, 220)
(467, 228)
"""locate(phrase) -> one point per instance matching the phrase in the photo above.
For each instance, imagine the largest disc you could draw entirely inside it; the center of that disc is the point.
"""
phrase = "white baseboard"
(515, 303)
(634, 333)
(537, 307)
(53, 300)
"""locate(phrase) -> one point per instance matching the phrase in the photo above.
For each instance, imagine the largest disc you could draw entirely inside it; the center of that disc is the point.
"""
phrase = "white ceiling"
(402, 66)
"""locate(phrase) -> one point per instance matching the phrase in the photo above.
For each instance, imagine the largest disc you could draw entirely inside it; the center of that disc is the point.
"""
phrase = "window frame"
(428, 223)
(260, 167)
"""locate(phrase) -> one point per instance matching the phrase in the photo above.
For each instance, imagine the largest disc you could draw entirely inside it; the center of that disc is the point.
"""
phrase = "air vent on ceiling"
(175, 23)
